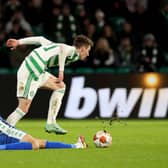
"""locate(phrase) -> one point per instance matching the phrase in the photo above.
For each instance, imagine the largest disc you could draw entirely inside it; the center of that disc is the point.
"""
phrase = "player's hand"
(12, 43)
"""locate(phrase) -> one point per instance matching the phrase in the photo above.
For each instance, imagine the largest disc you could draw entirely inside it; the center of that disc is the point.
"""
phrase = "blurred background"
(130, 37)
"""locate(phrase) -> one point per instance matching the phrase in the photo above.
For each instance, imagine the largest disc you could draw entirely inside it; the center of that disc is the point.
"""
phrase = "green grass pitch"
(136, 144)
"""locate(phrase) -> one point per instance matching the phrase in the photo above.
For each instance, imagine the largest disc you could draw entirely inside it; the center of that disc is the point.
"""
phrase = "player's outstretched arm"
(34, 40)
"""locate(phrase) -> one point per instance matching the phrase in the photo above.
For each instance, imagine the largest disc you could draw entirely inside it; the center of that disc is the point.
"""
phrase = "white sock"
(14, 117)
(54, 105)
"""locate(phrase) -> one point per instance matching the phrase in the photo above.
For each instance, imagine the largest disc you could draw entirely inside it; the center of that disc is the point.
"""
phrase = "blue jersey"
(8, 133)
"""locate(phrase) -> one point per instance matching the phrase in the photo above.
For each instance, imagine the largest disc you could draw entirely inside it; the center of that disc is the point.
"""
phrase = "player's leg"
(60, 145)
(19, 112)
(54, 104)
(29, 143)
(26, 143)
(26, 90)
(54, 107)
(23, 83)
(19, 140)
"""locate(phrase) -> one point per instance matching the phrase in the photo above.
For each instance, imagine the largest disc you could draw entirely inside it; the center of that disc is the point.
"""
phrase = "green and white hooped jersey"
(50, 55)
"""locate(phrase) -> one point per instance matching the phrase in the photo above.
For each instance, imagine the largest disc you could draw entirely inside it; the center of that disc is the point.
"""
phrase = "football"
(102, 139)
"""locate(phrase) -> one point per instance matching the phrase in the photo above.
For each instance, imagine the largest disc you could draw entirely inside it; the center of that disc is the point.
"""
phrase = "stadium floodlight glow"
(151, 80)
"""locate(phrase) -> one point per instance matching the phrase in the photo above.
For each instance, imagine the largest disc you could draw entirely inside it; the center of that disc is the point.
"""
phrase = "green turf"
(136, 144)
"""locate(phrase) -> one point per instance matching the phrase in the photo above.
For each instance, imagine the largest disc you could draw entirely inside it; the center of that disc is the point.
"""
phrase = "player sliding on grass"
(15, 139)
(32, 74)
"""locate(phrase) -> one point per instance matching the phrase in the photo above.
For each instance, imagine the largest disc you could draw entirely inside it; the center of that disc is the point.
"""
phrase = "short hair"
(82, 40)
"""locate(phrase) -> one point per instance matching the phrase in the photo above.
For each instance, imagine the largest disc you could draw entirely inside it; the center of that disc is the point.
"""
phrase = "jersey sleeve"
(38, 40)
(66, 51)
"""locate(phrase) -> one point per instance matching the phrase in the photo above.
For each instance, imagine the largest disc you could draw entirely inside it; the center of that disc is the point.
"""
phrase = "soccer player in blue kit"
(12, 138)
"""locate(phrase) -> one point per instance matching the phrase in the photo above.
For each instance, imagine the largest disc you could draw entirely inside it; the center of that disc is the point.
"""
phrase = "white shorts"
(26, 85)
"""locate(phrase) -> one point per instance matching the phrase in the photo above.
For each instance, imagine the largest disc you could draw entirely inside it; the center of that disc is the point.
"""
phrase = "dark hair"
(82, 40)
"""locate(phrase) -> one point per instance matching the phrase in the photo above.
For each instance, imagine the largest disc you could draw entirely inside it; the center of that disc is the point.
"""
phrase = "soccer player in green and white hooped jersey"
(32, 74)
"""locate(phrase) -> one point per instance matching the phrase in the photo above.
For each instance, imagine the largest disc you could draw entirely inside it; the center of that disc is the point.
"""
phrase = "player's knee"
(24, 105)
(35, 145)
(32, 140)
(24, 108)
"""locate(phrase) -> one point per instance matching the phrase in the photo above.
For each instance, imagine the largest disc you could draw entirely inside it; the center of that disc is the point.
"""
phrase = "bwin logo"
(153, 102)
